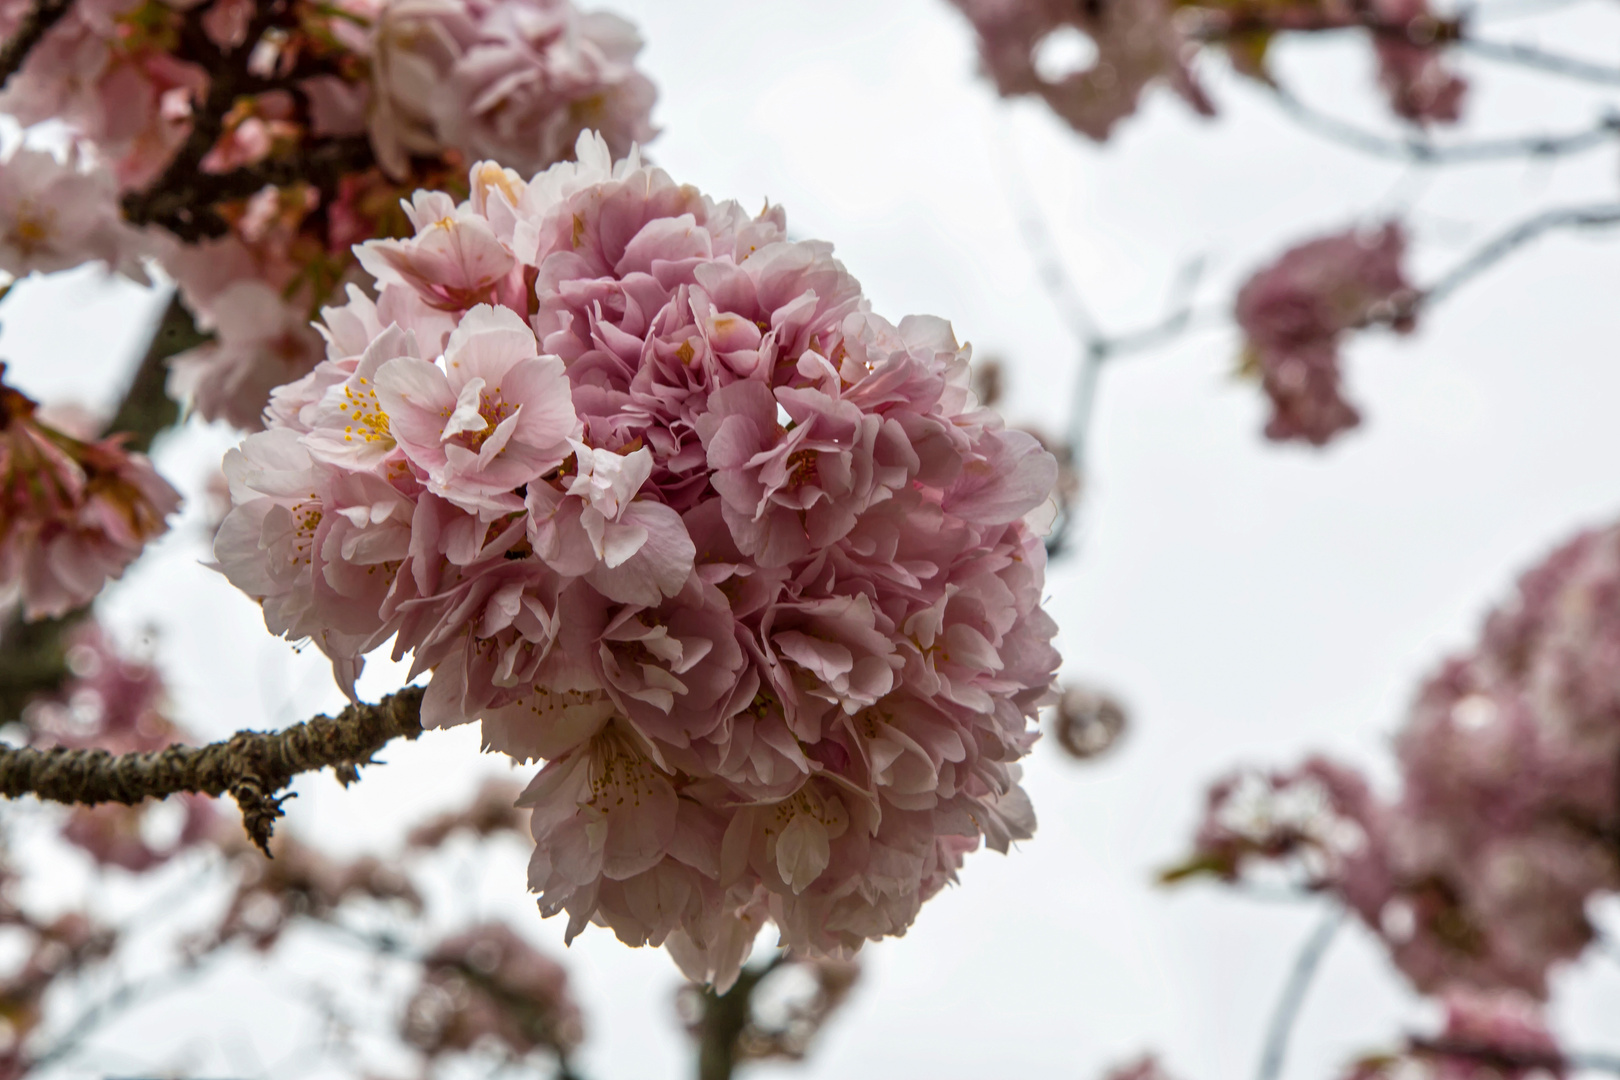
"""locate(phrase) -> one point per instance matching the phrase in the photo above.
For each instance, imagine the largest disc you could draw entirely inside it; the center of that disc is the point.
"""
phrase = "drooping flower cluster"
(73, 514)
(1295, 313)
(1137, 44)
(1480, 873)
(336, 111)
(653, 495)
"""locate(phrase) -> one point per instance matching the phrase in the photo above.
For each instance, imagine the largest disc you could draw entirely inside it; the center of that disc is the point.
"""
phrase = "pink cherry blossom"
(1138, 44)
(1420, 86)
(57, 214)
(512, 80)
(1296, 312)
(75, 513)
(1487, 1035)
(1479, 871)
(657, 499)
(262, 343)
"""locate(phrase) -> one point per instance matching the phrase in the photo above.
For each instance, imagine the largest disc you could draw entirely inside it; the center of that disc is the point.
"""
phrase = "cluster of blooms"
(427, 85)
(1142, 43)
(1137, 42)
(115, 703)
(57, 213)
(1480, 873)
(1498, 1035)
(488, 984)
(653, 495)
(73, 513)
(1295, 313)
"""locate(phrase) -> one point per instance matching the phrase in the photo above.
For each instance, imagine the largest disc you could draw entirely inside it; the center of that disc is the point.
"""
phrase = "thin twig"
(1539, 59)
(1288, 1005)
(1571, 217)
(252, 766)
(1421, 150)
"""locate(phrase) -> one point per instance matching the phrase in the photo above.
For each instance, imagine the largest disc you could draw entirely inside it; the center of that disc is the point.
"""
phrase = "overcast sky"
(1250, 602)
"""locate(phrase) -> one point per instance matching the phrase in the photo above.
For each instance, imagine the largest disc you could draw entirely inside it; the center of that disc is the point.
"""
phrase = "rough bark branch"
(251, 766)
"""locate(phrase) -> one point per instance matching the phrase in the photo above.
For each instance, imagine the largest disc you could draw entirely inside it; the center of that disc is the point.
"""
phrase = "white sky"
(1250, 602)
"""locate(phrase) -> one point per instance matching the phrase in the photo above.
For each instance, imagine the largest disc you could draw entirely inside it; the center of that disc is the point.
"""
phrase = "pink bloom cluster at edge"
(1137, 41)
(655, 497)
(515, 81)
(1481, 872)
(1295, 313)
(72, 514)
(56, 214)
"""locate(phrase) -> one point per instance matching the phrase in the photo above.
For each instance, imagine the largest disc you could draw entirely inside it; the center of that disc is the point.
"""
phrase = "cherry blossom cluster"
(1480, 872)
(1295, 313)
(653, 495)
(73, 513)
(262, 140)
(1139, 44)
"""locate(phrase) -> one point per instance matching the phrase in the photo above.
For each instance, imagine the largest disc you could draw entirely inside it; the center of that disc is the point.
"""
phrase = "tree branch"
(175, 206)
(723, 1019)
(252, 766)
(1569, 217)
(1530, 56)
(1286, 1013)
(1421, 150)
(34, 26)
(147, 408)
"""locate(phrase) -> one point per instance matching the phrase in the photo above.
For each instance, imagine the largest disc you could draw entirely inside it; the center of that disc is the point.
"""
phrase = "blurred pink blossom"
(1294, 315)
(56, 214)
(489, 984)
(72, 514)
(512, 80)
(1137, 45)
